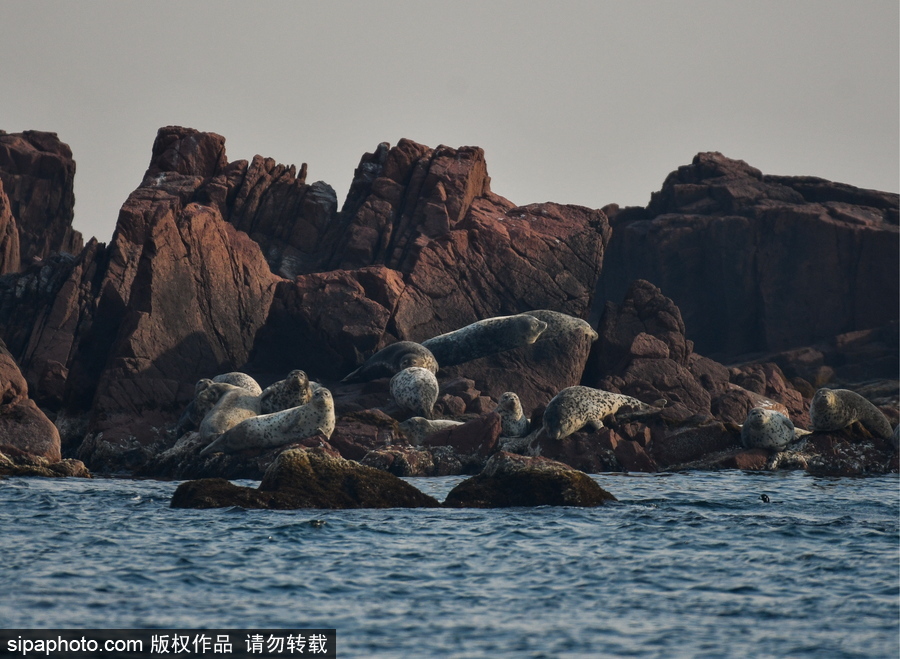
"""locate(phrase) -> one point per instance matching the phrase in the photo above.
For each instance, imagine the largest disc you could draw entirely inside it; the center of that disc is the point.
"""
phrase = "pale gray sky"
(574, 102)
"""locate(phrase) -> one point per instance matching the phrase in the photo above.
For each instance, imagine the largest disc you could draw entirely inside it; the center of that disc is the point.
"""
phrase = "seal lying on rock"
(417, 428)
(415, 389)
(559, 324)
(767, 429)
(278, 428)
(239, 379)
(294, 390)
(512, 417)
(575, 407)
(391, 360)
(835, 409)
(486, 337)
(234, 405)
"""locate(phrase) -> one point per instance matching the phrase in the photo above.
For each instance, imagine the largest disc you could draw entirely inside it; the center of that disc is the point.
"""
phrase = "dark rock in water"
(510, 480)
(402, 461)
(307, 478)
(18, 463)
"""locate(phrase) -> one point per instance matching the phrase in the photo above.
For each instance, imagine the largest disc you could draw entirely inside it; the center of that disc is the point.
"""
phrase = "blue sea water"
(685, 565)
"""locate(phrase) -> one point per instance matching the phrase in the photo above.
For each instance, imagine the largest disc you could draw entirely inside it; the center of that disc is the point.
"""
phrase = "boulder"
(307, 478)
(510, 480)
(18, 463)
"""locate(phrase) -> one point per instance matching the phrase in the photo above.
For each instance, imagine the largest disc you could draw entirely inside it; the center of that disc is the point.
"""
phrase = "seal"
(513, 421)
(234, 405)
(417, 428)
(561, 324)
(294, 390)
(239, 379)
(485, 337)
(415, 389)
(835, 409)
(575, 407)
(391, 360)
(767, 429)
(279, 428)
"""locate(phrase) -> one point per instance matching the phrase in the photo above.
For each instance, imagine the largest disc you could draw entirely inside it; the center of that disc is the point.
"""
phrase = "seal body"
(485, 337)
(234, 406)
(573, 408)
(835, 409)
(415, 389)
(767, 429)
(278, 428)
(239, 379)
(391, 360)
(294, 390)
(417, 428)
(561, 324)
(513, 421)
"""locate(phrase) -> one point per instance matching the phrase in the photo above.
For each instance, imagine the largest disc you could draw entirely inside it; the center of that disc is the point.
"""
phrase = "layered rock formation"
(218, 266)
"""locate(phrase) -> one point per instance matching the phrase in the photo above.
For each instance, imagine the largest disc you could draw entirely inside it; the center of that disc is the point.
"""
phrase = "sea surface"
(685, 565)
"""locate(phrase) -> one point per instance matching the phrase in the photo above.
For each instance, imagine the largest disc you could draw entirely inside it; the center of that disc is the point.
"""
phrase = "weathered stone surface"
(37, 173)
(14, 462)
(9, 236)
(23, 426)
(510, 480)
(477, 437)
(760, 263)
(312, 478)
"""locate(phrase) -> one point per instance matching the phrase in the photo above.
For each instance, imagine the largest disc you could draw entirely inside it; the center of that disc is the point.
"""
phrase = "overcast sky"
(574, 102)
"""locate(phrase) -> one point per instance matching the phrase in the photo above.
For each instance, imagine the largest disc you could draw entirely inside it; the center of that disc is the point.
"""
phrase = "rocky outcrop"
(24, 429)
(9, 236)
(18, 463)
(760, 263)
(312, 478)
(37, 172)
(510, 480)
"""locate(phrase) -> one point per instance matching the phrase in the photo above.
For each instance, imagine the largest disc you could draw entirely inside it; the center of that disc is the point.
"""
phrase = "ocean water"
(685, 565)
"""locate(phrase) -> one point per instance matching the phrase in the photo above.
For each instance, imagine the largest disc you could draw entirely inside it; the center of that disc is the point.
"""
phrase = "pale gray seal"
(391, 360)
(767, 429)
(415, 389)
(234, 406)
(294, 390)
(835, 409)
(417, 428)
(561, 324)
(486, 337)
(513, 421)
(239, 379)
(279, 428)
(576, 407)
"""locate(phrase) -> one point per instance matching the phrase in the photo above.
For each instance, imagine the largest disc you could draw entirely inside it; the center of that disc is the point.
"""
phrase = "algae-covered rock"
(510, 480)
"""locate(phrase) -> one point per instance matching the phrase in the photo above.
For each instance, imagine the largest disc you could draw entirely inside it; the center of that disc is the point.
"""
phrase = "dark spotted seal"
(561, 324)
(279, 428)
(513, 421)
(294, 390)
(767, 429)
(486, 337)
(835, 409)
(391, 360)
(574, 408)
(415, 389)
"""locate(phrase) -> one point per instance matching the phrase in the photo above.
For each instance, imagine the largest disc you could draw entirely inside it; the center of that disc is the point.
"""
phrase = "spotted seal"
(835, 409)
(485, 337)
(279, 428)
(513, 421)
(417, 428)
(391, 360)
(767, 429)
(576, 407)
(415, 389)
(235, 405)
(294, 390)
(561, 324)
(239, 379)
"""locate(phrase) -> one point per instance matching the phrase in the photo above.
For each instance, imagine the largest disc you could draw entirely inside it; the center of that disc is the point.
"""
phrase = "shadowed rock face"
(510, 480)
(312, 478)
(760, 263)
